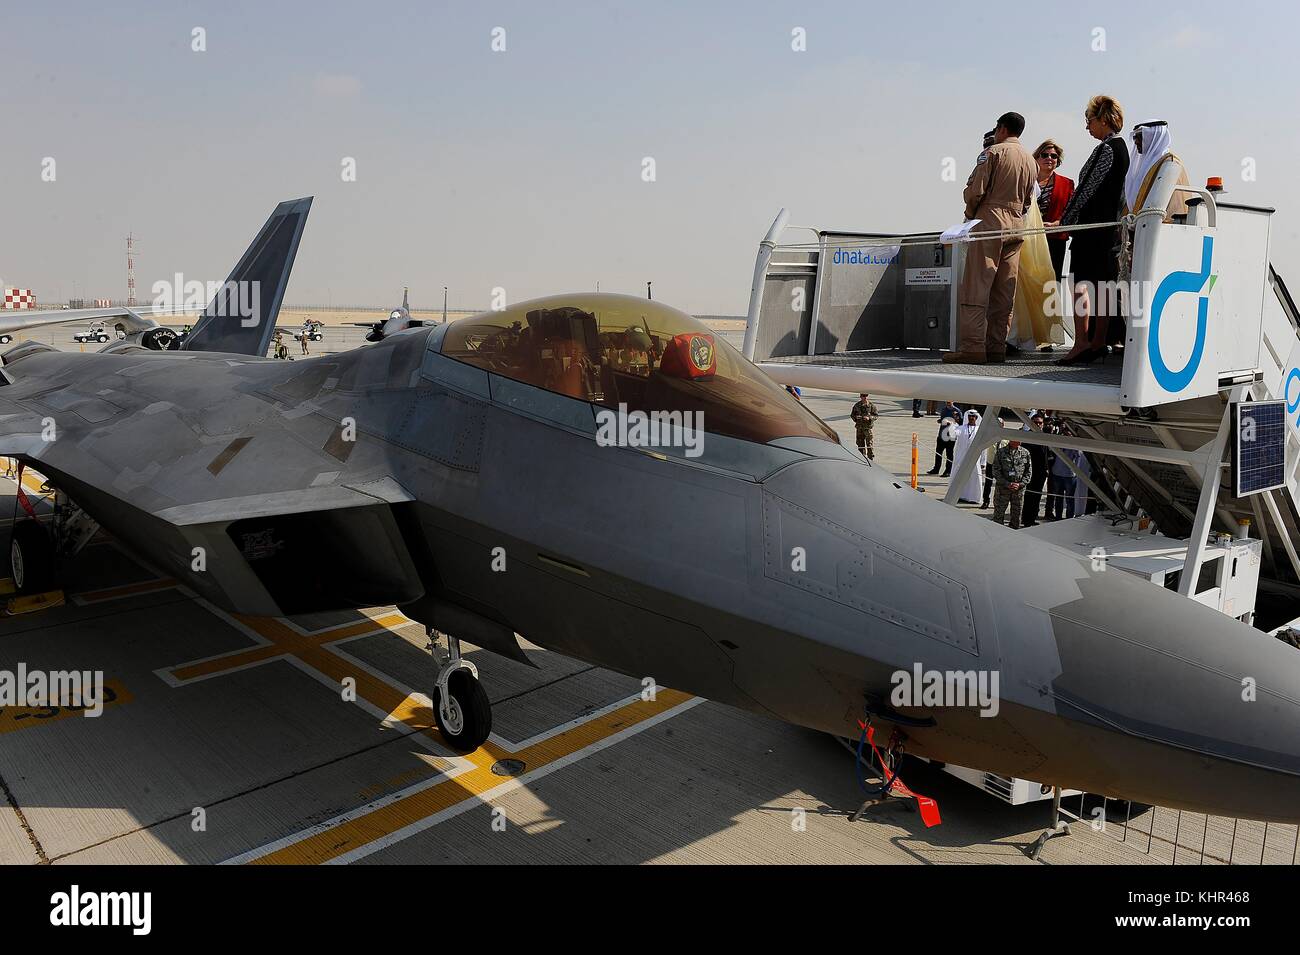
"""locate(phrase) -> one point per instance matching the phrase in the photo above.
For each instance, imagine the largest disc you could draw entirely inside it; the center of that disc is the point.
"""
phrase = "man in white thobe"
(973, 488)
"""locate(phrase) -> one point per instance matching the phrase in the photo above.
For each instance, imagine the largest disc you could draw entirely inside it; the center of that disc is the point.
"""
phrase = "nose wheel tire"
(468, 720)
(31, 557)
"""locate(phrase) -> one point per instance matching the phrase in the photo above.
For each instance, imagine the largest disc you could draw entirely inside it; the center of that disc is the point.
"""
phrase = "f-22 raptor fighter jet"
(492, 478)
(399, 319)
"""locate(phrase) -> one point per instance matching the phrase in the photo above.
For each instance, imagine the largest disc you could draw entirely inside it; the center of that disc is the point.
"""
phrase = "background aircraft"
(398, 320)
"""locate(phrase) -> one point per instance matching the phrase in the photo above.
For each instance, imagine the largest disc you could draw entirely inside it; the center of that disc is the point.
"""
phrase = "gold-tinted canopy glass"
(617, 350)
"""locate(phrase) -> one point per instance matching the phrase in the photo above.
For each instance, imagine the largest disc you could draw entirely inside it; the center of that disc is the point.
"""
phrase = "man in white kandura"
(973, 488)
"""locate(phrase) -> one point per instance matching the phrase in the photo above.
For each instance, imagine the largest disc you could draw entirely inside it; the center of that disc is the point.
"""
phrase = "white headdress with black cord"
(1155, 145)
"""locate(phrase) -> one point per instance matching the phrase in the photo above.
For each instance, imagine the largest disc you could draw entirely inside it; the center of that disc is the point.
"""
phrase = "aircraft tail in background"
(240, 319)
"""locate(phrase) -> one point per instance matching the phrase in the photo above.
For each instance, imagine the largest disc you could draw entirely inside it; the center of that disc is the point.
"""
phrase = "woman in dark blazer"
(1094, 253)
(1054, 192)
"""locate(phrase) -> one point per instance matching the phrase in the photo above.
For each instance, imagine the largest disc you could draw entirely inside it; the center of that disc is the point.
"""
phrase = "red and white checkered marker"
(20, 298)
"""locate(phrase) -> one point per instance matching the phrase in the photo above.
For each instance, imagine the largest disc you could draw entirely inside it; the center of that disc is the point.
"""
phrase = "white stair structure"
(1210, 322)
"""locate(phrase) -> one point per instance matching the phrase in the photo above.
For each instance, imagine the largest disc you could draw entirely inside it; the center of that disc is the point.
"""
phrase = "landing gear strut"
(36, 548)
(33, 550)
(460, 705)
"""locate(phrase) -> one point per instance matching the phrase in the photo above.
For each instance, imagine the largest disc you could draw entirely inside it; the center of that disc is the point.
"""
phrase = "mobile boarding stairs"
(870, 312)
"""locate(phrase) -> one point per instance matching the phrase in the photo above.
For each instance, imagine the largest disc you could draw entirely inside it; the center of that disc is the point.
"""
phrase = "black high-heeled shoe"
(1071, 359)
(1091, 355)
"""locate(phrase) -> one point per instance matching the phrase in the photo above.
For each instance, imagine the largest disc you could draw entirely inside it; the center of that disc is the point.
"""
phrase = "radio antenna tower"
(130, 270)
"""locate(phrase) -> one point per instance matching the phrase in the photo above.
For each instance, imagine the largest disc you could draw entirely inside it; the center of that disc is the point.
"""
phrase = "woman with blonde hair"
(1094, 258)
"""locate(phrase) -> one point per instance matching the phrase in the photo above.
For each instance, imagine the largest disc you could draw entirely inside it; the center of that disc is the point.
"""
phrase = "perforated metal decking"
(1037, 366)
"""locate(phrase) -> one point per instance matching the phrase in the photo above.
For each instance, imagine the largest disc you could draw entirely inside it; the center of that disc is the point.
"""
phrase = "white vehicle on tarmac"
(95, 333)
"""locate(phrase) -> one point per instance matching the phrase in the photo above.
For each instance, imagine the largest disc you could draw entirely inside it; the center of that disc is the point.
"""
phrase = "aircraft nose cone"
(1174, 703)
(1107, 682)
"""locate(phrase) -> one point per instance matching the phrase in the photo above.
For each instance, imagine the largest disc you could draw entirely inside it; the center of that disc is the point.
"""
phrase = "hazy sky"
(523, 169)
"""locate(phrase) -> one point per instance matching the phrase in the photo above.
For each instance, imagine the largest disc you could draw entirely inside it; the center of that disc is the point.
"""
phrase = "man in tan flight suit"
(998, 193)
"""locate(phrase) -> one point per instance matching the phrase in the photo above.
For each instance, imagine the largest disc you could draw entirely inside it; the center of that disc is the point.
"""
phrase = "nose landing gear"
(37, 549)
(32, 565)
(460, 704)
(33, 550)
(891, 784)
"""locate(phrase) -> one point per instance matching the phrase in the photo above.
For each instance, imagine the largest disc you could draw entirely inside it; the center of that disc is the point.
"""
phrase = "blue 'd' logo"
(1173, 283)
(1292, 406)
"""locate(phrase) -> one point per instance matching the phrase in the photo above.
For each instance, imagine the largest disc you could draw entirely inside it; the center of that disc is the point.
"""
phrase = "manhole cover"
(507, 767)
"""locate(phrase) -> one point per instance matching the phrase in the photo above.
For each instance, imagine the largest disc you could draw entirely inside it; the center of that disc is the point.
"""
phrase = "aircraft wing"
(20, 431)
(17, 320)
(242, 459)
(309, 500)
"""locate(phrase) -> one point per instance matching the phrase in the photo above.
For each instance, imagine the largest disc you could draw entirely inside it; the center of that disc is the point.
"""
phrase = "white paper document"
(959, 233)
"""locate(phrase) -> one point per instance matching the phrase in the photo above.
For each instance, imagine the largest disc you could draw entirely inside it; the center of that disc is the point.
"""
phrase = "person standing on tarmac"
(1039, 465)
(1011, 469)
(945, 441)
(988, 474)
(998, 193)
(864, 415)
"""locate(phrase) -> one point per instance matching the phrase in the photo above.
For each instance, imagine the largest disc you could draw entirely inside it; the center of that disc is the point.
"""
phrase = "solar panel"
(1258, 446)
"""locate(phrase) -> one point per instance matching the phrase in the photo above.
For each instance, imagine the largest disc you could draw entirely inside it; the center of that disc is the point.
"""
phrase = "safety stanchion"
(914, 460)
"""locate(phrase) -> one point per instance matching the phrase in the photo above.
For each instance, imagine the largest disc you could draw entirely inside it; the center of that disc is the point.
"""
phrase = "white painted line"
(509, 785)
(470, 801)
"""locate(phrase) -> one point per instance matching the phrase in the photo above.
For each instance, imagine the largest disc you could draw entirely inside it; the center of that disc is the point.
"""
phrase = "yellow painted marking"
(309, 648)
(33, 481)
(383, 821)
(13, 718)
(34, 602)
(125, 590)
(6, 586)
(347, 836)
(375, 790)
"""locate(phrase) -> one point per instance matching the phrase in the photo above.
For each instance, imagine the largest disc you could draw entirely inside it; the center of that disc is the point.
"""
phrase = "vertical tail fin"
(240, 319)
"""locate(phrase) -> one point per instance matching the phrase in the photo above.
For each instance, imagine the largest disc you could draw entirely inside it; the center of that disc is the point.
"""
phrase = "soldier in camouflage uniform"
(864, 417)
(1011, 469)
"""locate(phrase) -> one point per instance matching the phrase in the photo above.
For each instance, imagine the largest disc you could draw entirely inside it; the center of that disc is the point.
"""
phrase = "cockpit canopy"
(617, 350)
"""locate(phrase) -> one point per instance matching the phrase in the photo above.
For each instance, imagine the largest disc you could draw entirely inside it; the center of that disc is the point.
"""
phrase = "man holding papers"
(998, 194)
